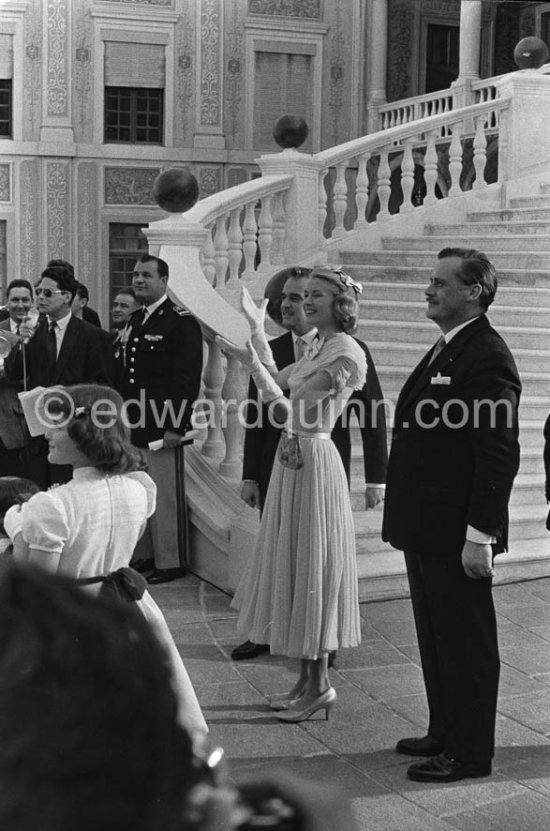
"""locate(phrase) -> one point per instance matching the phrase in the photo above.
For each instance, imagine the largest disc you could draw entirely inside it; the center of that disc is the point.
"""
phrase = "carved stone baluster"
(362, 191)
(430, 168)
(208, 261)
(407, 176)
(480, 153)
(250, 244)
(235, 252)
(265, 237)
(340, 199)
(232, 394)
(455, 159)
(279, 229)
(212, 410)
(322, 206)
(221, 246)
(384, 184)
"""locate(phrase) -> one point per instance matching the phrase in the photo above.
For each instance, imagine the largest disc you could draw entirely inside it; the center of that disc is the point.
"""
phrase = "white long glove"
(248, 357)
(255, 316)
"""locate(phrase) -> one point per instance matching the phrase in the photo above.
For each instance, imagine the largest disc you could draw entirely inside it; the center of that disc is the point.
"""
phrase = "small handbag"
(289, 452)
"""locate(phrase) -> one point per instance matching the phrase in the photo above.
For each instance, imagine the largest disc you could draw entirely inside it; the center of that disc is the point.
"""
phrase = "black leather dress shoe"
(419, 746)
(443, 769)
(143, 565)
(165, 575)
(248, 650)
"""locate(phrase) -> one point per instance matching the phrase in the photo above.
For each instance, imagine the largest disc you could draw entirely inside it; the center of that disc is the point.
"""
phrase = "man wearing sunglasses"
(60, 350)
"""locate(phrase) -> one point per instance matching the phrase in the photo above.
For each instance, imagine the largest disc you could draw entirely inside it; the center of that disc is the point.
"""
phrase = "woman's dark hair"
(345, 306)
(12, 487)
(89, 737)
(93, 416)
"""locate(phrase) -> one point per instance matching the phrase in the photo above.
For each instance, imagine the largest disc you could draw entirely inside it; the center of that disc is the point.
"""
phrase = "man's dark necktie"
(51, 346)
(439, 347)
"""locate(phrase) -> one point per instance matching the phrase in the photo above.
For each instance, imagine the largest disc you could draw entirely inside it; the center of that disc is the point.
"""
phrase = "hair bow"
(346, 280)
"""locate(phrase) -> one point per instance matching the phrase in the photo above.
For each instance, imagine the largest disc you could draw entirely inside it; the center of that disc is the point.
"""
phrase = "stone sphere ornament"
(176, 190)
(530, 53)
(290, 131)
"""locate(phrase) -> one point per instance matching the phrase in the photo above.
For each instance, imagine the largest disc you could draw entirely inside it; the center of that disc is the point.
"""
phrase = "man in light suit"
(61, 350)
(13, 433)
(260, 443)
(453, 459)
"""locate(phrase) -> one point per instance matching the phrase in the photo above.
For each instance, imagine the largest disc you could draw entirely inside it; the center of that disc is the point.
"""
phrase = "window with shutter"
(6, 74)
(127, 243)
(283, 86)
(134, 92)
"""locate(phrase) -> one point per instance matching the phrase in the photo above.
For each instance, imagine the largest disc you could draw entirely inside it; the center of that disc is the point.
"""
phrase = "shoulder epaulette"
(181, 311)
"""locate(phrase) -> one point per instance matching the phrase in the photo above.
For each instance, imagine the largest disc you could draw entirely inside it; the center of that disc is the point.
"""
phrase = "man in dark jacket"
(453, 459)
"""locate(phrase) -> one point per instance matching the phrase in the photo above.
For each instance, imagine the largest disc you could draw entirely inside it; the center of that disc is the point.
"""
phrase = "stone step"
(497, 227)
(533, 202)
(395, 353)
(496, 243)
(534, 259)
(424, 331)
(509, 279)
(382, 572)
(505, 215)
(389, 311)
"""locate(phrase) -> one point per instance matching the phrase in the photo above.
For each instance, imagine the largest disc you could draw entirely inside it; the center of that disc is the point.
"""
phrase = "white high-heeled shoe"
(325, 701)
(282, 701)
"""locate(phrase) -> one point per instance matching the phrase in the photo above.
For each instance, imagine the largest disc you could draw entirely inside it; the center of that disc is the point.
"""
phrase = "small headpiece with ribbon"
(336, 274)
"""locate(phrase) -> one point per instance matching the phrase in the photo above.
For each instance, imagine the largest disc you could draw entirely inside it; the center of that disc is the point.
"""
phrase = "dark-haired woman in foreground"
(88, 528)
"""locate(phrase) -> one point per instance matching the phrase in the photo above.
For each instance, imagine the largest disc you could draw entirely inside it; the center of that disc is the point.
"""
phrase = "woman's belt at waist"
(303, 434)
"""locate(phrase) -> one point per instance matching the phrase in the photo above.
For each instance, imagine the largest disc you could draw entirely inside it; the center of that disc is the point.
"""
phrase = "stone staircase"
(393, 323)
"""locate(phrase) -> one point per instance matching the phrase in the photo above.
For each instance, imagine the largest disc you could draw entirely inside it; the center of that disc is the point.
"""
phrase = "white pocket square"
(441, 379)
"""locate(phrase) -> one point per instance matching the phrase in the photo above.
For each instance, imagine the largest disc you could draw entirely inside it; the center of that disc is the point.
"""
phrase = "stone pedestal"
(525, 149)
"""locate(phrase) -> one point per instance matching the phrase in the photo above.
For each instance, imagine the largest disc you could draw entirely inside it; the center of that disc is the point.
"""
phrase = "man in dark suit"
(453, 459)
(159, 372)
(13, 432)
(60, 350)
(261, 440)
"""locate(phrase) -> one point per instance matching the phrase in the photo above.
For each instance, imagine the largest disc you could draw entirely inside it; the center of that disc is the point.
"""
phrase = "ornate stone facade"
(83, 70)
(286, 8)
(32, 73)
(29, 236)
(210, 180)
(87, 221)
(400, 41)
(234, 78)
(186, 62)
(59, 223)
(58, 55)
(130, 185)
(210, 105)
(5, 190)
(337, 74)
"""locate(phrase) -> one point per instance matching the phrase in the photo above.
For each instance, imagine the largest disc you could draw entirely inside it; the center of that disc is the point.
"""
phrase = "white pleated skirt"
(300, 594)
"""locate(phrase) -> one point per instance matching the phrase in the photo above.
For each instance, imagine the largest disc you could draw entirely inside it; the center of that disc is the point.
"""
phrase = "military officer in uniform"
(159, 375)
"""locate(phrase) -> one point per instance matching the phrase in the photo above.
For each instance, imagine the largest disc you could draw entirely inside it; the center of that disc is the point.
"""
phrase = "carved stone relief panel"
(32, 72)
(286, 8)
(83, 70)
(234, 78)
(58, 55)
(29, 200)
(130, 185)
(400, 38)
(87, 222)
(210, 180)
(167, 3)
(339, 69)
(211, 52)
(5, 183)
(186, 63)
(57, 209)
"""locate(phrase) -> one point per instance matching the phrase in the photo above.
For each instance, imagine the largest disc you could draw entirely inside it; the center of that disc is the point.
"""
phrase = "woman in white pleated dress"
(300, 593)
(88, 528)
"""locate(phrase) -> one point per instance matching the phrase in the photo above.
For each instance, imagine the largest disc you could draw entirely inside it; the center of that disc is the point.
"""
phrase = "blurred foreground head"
(89, 737)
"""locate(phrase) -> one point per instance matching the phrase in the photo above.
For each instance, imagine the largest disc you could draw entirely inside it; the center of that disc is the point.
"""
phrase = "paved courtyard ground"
(380, 699)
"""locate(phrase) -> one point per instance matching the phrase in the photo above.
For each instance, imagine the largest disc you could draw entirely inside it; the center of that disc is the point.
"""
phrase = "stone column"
(470, 45)
(209, 115)
(377, 50)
